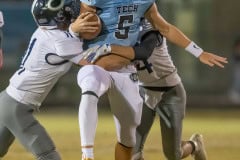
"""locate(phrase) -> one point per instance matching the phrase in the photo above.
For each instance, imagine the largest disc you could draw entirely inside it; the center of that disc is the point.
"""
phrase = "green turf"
(221, 130)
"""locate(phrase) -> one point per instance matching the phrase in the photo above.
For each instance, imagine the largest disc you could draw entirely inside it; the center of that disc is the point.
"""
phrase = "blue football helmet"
(55, 13)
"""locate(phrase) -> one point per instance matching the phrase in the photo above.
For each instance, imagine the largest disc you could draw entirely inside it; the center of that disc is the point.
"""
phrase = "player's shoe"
(137, 156)
(200, 152)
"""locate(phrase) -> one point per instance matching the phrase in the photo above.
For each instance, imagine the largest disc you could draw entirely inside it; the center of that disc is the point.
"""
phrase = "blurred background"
(212, 24)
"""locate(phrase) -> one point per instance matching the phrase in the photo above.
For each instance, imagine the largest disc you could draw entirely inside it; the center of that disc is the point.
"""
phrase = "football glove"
(92, 54)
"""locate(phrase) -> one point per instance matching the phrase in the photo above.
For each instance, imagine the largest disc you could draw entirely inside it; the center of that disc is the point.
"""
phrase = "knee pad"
(93, 78)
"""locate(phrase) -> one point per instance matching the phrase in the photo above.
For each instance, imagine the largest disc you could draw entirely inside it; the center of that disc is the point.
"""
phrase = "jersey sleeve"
(69, 47)
(89, 2)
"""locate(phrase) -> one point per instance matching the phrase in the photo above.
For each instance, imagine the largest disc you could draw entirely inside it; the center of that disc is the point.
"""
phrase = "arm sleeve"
(148, 42)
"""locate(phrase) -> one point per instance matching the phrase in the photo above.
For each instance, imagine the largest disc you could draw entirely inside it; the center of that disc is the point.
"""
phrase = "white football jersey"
(49, 56)
(158, 70)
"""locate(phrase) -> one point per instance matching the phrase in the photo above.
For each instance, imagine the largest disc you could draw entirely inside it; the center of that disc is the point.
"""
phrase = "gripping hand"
(92, 54)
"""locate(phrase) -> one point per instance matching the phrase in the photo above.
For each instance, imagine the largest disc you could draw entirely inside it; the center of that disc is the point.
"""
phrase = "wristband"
(72, 33)
(194, 49)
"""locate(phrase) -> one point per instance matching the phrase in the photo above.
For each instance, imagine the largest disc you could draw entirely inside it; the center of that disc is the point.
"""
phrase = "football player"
(164, 95)
(50, 54)
(101, 81)
(120, 25)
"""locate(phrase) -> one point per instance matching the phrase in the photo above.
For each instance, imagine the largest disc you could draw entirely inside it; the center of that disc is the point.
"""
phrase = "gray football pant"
(171, 111)
(17, 120)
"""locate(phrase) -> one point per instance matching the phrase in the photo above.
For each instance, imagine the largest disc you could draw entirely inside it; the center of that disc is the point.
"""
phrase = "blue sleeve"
(89, 2)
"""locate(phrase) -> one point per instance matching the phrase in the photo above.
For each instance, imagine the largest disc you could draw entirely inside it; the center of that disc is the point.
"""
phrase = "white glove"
(92, 54)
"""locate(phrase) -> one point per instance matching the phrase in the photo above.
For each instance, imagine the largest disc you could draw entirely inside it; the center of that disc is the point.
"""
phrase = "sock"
(122, 152)
(88, 152)
(88, 117)
(193, 146)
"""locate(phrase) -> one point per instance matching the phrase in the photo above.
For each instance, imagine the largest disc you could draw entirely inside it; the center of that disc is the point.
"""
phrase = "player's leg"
(122, 152)
(199, 152)
(143, 129)
(6, 137)
(126, 105)
(19, 120)
(171, 111)
(94, 82)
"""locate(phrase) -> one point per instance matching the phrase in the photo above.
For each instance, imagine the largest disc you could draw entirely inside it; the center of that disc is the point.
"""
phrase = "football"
(92, 35)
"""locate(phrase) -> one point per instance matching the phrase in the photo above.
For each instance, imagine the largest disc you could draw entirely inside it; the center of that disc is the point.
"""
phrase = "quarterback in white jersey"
(50, 54)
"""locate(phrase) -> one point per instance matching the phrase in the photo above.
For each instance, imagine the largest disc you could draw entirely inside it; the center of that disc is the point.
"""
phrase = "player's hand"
(83, 25)
(92, 54)
(212, 59)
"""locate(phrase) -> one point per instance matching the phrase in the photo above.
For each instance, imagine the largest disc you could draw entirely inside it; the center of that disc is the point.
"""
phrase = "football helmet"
(55, 13)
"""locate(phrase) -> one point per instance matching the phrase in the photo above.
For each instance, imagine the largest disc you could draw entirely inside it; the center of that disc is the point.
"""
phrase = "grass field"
(221, 130)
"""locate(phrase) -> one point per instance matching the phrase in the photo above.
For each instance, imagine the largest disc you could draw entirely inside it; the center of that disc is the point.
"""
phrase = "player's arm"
(174, 35)
(142, 51)
(113, 57)
(104, 58)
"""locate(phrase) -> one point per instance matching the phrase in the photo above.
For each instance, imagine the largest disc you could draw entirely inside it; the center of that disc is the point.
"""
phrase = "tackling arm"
(122, 55)
(142, 51)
